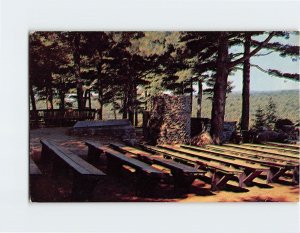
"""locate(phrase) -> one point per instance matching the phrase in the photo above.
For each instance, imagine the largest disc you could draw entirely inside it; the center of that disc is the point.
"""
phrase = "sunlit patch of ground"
(122, 188)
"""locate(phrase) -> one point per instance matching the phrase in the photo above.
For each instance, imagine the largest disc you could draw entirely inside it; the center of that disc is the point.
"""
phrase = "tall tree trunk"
(125, 104)
(76, 54)
(49, 98)
(219, 98)
(146, 100)
(191, 94)
(100, 99)
(61, 95)
(90, 101)
(114, 107)
(100, 93)
(62, 99)
(85, 99)
(131, 104)
(246, 85)
(136, 117)
(33, 105)
(136, 113)
(199, 99)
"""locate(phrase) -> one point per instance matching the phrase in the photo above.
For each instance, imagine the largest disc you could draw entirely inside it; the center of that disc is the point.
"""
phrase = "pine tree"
(260, 118)
(283, 50)
(271, 113)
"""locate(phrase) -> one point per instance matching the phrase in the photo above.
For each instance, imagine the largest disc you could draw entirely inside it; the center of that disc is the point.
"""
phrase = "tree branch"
(279, 74)
(263, 54)
(253, 52)
(260, 68)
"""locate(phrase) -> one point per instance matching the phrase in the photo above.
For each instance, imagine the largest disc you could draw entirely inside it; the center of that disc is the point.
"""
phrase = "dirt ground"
(122, 188)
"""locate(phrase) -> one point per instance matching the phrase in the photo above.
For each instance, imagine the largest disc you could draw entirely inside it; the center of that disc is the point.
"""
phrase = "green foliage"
(118, 64)
(271, 113)
(287, 105)
(260, 118)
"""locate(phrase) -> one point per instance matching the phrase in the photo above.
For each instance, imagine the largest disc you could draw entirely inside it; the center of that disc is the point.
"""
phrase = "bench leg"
(251, 176)
(296, 175)
(241, 178)
(45, 153)
(93, 154)
(113, 166)
(182, 182)
(145, 184)
(218, 181)
(274, 174)
(83, 187)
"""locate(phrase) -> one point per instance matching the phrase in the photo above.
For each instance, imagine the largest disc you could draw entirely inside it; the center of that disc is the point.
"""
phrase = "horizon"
(267, 91)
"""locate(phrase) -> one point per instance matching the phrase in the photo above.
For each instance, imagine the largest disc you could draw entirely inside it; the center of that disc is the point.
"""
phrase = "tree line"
(118, 65)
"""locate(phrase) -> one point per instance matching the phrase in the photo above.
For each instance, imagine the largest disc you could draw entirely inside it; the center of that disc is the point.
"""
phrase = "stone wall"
(121, 129)
(169, 120)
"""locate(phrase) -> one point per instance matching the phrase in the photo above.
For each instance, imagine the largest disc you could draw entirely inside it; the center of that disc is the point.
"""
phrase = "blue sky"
(261, 81)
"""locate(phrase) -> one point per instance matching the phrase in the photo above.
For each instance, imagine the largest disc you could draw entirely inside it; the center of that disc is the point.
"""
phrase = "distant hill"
(287, 103)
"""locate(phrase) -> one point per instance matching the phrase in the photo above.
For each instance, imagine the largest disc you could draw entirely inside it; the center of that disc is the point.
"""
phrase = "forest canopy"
(124, 69)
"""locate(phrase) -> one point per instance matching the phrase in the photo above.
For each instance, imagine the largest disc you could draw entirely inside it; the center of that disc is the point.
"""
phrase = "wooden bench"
(269, 147)
(220, 174)
(250, 171)
(292, 158)
(252, 154)
(147, 176)
(285, 145)
(34, 174)
(277, 169)
(267, 151)
(33, 168)
(85, 175)
(183, 175)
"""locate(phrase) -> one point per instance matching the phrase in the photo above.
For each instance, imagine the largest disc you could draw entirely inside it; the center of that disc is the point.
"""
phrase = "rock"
(271, 136)
(202, 139)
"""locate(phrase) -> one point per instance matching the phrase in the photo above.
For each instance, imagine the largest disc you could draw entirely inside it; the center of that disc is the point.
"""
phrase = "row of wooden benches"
(185, 163)
(223, 166)
(85, 175)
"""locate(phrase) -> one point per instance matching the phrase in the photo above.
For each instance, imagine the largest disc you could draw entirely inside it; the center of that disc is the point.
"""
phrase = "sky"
(261, 81)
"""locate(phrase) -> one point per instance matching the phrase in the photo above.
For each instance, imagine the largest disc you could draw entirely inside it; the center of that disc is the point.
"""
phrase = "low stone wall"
(169, 120)
(121, 129)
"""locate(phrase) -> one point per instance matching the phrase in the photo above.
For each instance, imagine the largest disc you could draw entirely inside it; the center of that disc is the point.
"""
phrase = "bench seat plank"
(265, 151)
(278, 148)
(199, 161)
(171, 164)
(219, 174)
(277, 169)
(125, 159)
(218, 151)
(73, 160)
(244, 152)
(262, 154)
(132, 162)
(208, 156)
(277, 144)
